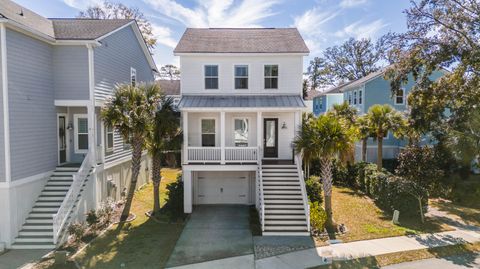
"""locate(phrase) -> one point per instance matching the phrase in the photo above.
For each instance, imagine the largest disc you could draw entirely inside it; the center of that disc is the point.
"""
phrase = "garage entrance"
(223, 188)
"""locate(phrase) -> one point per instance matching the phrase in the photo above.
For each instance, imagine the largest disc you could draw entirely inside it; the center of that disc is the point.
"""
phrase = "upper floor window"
(208, 132)
(400, 97)
(271, 76)
(108, 138)
(355, 97)
(241, 132)
(133, 76)
(241, 76)
(211, 77)
(360, 97)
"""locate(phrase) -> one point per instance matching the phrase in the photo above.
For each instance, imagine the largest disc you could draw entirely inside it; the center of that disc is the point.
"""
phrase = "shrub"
(105, 212)
(92, 218)
(314, 189)
(174, 200)
(318, 217)
(77, 230)
(390, 164)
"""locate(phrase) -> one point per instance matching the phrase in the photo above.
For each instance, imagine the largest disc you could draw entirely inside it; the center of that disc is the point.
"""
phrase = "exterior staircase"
(284, 200)
(37, 231)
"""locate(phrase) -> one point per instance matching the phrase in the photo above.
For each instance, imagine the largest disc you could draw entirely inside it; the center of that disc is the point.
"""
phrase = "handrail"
(61, 217)
(306, 206)
(262, 198)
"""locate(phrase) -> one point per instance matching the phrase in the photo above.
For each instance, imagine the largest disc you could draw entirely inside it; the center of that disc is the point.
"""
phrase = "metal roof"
(241, 40)
(243, 101)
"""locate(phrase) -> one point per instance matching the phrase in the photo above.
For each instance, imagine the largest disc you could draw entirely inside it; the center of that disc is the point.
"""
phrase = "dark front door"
(270, 138)
(62, 141)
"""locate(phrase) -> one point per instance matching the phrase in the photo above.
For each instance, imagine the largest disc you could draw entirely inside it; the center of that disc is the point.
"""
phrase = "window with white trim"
(360, 92)
(211, 77)
(349, 98)
(241, 132)
(81, 133)
(400, 97)
(208, 132)
(241, 76)
(355, 97)
(271, 76)
(108, 138)
(133, 76)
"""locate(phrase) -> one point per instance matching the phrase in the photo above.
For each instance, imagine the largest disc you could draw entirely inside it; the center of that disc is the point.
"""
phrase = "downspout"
(6, 117)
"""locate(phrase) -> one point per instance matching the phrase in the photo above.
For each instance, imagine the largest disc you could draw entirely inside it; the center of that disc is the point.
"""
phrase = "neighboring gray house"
(55, 76)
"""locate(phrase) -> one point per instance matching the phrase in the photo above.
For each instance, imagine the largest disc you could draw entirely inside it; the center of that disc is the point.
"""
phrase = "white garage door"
(222, 188)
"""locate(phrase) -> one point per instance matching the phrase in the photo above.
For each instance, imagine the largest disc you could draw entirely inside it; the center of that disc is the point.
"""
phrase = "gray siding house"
(55, 76)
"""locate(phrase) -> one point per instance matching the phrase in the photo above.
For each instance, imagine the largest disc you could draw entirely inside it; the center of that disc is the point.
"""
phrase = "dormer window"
(211, 77)
(241, 76)
(271, 76)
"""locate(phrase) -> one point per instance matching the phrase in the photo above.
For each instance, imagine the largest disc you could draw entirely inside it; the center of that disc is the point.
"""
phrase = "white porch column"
(297, 123)
(222, 137)
(259, 137)
(185, 137)
(187, 191)
(91, 107)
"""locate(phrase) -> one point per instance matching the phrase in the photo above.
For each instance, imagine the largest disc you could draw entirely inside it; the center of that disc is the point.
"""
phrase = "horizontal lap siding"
(70, 76)
(119, 52)
(33, 136)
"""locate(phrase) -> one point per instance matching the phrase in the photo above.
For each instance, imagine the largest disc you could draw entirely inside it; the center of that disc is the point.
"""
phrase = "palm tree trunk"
(326, 171)
(380, 153)
(137, 146)
(364, 149)
(156, 178)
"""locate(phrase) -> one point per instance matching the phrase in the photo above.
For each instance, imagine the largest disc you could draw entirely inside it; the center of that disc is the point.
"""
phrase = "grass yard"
(143, 243)
(364, 220)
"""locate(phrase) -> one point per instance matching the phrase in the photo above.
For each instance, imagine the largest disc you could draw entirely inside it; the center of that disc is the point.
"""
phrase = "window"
(241, 77)
(349, 98)
(133, 76)
(271, 76)
(400, 97)
(108, 138)
(127, 144)
(81, 133)
(211, 77)
(320, 102)
(241, 132)
(208, 132)
(355, 97)
(360, 97)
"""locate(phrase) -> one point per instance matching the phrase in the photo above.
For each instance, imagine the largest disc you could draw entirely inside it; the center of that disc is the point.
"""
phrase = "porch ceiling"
(244, 101)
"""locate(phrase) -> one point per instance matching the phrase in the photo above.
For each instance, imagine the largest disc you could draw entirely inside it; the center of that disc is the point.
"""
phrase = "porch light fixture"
(284, 125)
(70, 126)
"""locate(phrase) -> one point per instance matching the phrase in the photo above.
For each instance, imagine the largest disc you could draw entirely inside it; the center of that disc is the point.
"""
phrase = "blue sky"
(322, 23)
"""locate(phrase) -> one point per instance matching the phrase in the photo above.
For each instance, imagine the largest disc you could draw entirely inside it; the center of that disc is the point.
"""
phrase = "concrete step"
(282, 211)
(32, 245)
(51, 198)
(269, 222)
(49, 203)
(284, 201)
(37, 226)
(64, 178)
(284, 206)
(65, 168)
(285, 217)
(49, 209)
(280, 179)
(62, 183)
(281, 183)
(280, 175)
(34, 239)
(54, 192)
(268, 187)
(62, 173)
(282, 192)
(27, 232)
(46, 220)
(286, 197)
(57, 188)
(41, 214)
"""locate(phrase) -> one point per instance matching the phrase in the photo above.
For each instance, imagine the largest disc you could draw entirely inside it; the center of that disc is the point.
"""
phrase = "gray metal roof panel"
(244, 101)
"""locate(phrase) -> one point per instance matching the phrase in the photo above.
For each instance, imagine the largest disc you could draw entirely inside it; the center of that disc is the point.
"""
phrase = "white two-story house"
(241, 109)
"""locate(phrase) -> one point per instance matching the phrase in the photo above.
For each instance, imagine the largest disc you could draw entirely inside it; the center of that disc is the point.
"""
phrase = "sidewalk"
(320, 255)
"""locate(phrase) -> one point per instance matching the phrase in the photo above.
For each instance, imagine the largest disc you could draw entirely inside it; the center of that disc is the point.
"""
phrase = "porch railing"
(306, 205)
(62, 215)
(204, 154)
(239, 154)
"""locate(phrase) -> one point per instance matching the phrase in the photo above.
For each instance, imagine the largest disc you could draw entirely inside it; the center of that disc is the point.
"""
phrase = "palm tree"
(165, 135)
(325, 137)
(382, 119)
(307, 154)
(348, 116)
(364, 132)
(131, 112)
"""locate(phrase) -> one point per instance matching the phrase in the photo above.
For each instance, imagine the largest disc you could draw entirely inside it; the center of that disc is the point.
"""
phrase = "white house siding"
(290, 79)
(119, 52)
(70, 72)
(285, 136)
(2, 142)
(31, 105)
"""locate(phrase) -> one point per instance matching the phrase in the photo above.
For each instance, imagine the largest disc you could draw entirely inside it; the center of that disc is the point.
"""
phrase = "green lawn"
(364, 220)
(143, 243)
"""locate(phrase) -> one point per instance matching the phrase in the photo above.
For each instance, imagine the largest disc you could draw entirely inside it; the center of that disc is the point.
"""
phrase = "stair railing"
(61, 217)
(262, 197)
(306, 205)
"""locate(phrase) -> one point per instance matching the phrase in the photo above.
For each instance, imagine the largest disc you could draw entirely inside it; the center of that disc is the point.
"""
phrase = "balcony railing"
(222, 155)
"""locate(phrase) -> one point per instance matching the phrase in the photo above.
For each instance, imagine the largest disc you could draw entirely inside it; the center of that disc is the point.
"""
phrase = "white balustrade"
(306, 205)
(241, 154)
(204, 154)
(214, 154)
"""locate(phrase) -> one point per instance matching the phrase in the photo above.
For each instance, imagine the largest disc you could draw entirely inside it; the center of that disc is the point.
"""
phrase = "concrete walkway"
(454, 262)
(14, 259)
(321, 255)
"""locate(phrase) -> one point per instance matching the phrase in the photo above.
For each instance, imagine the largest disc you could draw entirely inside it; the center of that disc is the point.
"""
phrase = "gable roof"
(15, 12)
(241, 40)
(169, 86)
(85, 29)
(312, 94)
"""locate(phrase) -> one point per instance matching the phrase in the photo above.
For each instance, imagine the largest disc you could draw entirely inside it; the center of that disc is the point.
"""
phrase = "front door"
(270, 138)
(62, 140)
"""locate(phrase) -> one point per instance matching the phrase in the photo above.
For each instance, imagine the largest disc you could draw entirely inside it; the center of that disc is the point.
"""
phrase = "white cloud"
(82, 4)
(352, 3)
(164, 36)
(216, 13)
(360, 30)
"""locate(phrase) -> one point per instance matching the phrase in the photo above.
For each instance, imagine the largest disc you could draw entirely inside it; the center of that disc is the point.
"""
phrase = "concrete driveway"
(213, 232)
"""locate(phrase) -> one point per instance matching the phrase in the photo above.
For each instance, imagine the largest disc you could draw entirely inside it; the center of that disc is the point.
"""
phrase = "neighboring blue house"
(325, 101)
(375, 89)
(57, 158)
